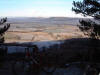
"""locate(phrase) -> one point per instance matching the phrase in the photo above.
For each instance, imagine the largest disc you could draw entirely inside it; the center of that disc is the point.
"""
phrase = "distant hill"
(51, 20)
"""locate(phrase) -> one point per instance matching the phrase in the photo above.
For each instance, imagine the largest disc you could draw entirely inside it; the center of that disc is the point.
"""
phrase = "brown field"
(43, 34)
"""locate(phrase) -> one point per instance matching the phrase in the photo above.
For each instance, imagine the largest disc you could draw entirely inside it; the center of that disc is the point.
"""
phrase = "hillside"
(42, 29)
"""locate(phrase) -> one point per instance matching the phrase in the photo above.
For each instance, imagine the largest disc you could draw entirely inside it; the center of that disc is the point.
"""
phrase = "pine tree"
(89, 8)
(3, 28)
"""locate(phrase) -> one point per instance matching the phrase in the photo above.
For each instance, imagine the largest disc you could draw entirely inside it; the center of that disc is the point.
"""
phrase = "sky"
(37, 8)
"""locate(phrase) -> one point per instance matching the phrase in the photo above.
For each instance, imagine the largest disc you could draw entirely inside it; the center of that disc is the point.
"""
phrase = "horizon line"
(42, 17)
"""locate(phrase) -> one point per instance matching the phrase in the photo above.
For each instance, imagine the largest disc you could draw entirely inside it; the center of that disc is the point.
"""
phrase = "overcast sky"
(36, 8)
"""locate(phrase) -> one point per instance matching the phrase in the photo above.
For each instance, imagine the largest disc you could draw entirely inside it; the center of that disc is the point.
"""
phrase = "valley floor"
(50, 33)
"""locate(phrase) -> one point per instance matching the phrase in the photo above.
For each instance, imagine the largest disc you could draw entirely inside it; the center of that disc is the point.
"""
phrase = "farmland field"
(42, 29)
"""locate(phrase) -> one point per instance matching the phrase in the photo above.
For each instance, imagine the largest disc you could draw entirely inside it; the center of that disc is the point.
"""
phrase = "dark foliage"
(89, 8)
(90, 28)
(3, 28)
